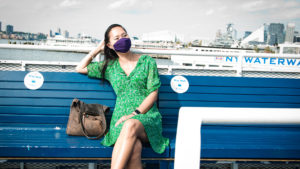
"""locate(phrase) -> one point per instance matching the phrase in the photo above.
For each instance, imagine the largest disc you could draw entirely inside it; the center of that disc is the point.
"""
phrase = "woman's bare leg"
(131, 131)
(135, 160)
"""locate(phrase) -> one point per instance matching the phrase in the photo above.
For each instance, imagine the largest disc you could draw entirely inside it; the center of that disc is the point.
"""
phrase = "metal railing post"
(239, 67)
(23, 66)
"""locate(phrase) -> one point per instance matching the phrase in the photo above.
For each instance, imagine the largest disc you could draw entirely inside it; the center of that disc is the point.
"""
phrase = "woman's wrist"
(92, 55)
(137, 111)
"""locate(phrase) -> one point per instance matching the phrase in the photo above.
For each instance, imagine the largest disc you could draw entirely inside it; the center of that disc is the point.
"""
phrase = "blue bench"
(33, 122)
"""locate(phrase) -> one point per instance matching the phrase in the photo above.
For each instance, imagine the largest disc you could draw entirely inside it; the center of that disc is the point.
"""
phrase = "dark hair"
(109, 54)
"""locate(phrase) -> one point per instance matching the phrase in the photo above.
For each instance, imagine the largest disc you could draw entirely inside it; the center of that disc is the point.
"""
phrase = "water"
(40, 55)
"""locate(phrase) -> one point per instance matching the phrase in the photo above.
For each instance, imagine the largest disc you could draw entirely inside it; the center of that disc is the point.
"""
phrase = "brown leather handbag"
(87, 119)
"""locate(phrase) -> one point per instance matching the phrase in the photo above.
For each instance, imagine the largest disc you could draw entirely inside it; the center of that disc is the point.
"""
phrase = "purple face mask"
(122, 45)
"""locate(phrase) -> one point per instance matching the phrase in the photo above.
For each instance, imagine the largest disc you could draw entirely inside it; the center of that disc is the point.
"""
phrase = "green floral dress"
(131, 90)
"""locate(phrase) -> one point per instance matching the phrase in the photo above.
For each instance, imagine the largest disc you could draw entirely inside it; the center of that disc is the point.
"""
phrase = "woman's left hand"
(124, 118)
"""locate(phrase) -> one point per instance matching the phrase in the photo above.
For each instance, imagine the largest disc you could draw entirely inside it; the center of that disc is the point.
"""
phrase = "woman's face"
(115, 34)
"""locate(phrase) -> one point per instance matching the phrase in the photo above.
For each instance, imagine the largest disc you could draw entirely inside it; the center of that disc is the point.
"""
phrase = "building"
(290, 31)
(159, 40)
(9, 29)
(257, 37)
(247, 33)
(219, 33)
(162, 36)
(66, 34)
(59, 31)
(51, 33)
(297, 37)
(234, 34)
(275, 33)
(226, 39)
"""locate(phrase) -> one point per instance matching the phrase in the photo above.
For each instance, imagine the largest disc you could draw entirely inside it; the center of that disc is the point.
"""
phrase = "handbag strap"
(81, 116)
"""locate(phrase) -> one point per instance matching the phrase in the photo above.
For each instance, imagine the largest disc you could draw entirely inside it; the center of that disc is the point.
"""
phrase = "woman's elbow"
(78, 69)
(81, 70)
(155, 94)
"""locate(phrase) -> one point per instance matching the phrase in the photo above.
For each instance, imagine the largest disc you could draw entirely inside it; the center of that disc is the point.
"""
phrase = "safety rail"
(188, 144)
(189, 62)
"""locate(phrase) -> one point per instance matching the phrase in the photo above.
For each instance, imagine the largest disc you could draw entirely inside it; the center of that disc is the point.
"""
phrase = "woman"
(135, 80)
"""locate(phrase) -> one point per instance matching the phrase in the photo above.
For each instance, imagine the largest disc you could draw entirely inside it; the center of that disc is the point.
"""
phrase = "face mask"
(123, 45)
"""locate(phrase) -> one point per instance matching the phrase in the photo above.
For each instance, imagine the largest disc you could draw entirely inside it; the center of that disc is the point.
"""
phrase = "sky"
(194, 19)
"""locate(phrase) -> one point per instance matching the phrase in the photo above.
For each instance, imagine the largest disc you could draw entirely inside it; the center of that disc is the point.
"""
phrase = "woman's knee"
(131, 127)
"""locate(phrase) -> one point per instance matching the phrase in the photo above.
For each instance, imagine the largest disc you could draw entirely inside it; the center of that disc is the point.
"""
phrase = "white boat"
(59, 40)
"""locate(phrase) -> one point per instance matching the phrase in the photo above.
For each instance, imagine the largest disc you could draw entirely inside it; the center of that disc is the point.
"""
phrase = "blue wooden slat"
(36, 119)
(36, 110)
(33, 119)
(9, 127)
(177, 104)
(229, 98)
(236, 90)
(57, 94)
(68, 77)
(51, 102)
(71, 151)
(248, 142)
(169, 112)
(235, 81)
(170, 121)
(60, 86)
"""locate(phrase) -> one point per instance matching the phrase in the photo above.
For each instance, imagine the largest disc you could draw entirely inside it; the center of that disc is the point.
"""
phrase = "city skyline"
(194, 19)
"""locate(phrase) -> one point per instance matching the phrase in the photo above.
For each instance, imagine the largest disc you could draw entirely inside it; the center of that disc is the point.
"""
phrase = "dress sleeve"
(153, 81)
(93, 70)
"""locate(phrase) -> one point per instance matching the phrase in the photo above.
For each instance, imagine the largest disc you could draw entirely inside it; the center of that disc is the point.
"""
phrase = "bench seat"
(52, 142)
(248, 142)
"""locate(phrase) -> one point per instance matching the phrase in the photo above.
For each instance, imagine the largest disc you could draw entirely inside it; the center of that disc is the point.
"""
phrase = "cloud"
(131, 6)
(288, 14)
(68, 3)
(209, 12)
(253, 5)
(215, 9)
(267, 8)
(121, 3)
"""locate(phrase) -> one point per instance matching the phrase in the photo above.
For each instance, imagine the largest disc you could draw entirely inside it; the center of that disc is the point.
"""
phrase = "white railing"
(188, 144)
(189, 60)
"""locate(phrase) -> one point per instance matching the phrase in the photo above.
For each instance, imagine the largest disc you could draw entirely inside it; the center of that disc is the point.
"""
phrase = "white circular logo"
(179, 84)
(33, 80)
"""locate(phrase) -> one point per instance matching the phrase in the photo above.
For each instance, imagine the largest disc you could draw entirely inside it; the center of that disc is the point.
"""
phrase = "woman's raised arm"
(81, 67)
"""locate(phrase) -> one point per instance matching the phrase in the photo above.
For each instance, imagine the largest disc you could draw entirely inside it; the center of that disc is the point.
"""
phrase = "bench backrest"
(50, 104)
(205, 91)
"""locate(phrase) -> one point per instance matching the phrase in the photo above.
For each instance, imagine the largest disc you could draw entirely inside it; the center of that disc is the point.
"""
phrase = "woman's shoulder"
(109, 63)
(147, 58)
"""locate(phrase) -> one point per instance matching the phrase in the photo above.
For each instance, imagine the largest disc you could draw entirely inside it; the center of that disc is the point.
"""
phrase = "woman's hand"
(81, 67)
(100, 47)
(124, 118)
